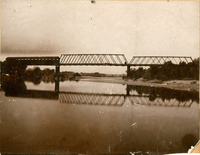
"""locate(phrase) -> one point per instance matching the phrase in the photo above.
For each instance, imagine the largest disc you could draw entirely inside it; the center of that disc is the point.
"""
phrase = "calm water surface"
(90, 118)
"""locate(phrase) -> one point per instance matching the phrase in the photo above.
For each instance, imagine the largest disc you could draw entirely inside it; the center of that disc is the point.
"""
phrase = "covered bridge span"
(35, 60)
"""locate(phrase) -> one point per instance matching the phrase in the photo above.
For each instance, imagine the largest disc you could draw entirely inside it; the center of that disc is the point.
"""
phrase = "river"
(96, 118)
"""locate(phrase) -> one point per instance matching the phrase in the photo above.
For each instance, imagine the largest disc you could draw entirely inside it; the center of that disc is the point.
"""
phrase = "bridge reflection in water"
(12, 89)
(101, 121)
(91, 98)
(118, 100)
(35, 94)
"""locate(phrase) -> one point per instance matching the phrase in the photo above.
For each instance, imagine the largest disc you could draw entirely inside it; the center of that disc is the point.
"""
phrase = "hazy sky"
(55, 27)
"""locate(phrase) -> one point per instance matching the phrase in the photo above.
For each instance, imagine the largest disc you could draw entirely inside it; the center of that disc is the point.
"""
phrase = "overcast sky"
(55, 27)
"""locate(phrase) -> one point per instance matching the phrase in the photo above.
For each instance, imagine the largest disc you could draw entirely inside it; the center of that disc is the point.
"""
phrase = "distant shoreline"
(186, 85)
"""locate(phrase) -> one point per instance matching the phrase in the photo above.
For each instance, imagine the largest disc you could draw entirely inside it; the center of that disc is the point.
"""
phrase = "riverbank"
(187, 85)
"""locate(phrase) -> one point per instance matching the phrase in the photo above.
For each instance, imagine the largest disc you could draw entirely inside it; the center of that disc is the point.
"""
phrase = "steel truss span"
(93, 59)
(158, 60)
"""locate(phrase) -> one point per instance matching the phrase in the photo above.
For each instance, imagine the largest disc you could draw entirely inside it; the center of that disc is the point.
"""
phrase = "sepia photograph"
(99, 77)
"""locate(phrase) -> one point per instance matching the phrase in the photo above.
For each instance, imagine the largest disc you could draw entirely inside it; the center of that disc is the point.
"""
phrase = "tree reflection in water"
(13, 86)
(17, 88)
(165, 93)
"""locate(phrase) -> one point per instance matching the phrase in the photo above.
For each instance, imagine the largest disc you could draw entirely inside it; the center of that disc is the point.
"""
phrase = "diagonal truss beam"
(93, 59)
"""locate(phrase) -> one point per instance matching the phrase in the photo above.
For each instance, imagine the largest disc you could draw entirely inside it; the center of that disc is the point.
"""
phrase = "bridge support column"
(1, 75)
(57, 78)
(128, 70)
(127, 90)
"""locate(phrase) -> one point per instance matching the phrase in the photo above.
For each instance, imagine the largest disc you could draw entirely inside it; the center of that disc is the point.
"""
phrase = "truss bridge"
(96, 60)
(100, 60)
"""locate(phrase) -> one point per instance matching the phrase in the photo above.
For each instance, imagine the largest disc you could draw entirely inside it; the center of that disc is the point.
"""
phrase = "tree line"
(36, 75)
(14, 67)
(168, 71)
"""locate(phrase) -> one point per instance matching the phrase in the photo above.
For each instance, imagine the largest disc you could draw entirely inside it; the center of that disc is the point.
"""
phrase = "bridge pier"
(57, 78)
(1, 75)
(127, 90)
(128, 70)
